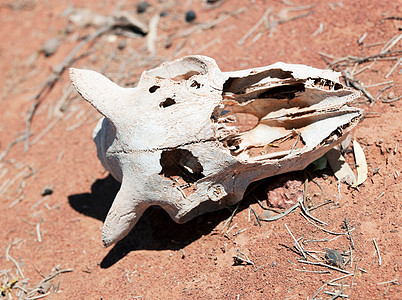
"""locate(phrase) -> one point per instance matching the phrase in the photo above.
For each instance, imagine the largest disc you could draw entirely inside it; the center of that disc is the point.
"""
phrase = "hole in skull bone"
(283, 91)
(195, 84)
(181, 163)
(168, 102)
(326, 84)
(238, 85)
(153, 88)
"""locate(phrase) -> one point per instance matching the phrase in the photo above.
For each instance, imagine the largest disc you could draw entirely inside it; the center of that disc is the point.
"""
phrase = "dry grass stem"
(255, 215)
(298, 247)
(39, 202)
(318, 291)
(323, 229)
(51, 81)
(393, 68)
(38, 235)
(206, 25)
(336, 295)
(255, 27)
(16, 201)
(360, 41)
(392, 100)
(44, 131)
(229, 220)
(391, 43)
(240, 231)
(325, 265)
(379, 84)
(377, 251)
(281, 215)
(316, 272)
(352, 244)
(243, 258)
(394, 281)
(10, 145)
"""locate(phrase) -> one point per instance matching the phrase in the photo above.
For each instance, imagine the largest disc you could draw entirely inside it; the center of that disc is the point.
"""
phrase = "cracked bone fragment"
(191, 138)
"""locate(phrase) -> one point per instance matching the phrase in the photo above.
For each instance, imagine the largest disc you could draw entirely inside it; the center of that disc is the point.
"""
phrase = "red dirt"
(161, 259)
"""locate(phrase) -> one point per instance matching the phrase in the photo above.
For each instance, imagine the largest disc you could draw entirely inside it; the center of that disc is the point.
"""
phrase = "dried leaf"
(361, 163)
(340, 167)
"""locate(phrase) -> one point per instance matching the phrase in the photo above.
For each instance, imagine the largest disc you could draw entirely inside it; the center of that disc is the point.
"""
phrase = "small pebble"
(44, 287)
(164, 13)
(142, 6)
(47, 190)
(50, 47)
(334, 258)
(122, 44)
(190, 16)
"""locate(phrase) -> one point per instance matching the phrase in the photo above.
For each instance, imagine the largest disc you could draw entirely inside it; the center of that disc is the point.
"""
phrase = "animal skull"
(191, 138)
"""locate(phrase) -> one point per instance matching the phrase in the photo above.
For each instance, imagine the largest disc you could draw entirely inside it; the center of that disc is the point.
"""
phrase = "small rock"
(164, 13)
(391, 95)
(47, 190)
(334, 258)
(122, 44)
(285, 194)
(190, 16)
(44, 287)
(50, 47)
(142, 6)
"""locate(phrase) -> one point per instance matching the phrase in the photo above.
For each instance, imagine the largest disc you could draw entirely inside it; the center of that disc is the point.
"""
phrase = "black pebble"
(122, 44)
(190, 16)
(334, 258)
(47, 190)
(142, 6)
(164, 13)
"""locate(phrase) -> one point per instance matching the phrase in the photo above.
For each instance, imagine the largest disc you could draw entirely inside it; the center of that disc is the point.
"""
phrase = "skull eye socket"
(181, 164)
(153, 89)
(168, 102)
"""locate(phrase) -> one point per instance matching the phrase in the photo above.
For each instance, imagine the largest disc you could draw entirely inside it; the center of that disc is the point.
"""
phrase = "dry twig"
(297, 245)
(352, 244)
(325, 265)
(278, 216)
(51, 81)
(245, 258)
(378, 252)
(255, 27)
(256, 216)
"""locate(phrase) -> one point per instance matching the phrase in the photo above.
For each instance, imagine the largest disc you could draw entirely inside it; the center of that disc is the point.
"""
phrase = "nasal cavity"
(168, 102)
(153, 88)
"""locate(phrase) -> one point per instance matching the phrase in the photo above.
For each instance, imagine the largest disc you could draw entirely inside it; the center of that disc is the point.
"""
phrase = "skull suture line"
(191, 138)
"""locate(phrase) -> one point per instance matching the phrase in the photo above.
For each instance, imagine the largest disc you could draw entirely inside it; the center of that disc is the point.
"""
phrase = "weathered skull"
(190, 138)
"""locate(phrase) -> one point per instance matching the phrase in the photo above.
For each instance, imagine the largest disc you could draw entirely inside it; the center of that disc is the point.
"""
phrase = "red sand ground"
(160, 259)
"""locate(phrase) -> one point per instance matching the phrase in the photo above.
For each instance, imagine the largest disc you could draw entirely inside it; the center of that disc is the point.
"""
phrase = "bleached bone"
(191, 138)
